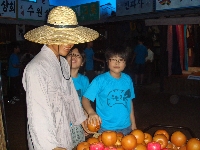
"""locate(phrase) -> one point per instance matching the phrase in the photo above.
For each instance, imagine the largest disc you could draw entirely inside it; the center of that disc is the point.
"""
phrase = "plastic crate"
(170, 129)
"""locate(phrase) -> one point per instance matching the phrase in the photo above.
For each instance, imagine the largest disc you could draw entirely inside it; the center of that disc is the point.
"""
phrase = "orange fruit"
(193, 144)
(147, 138)
(99, 138)
(170, 145)
(139, 135)
(162, 132)
(183, 147)
(92, 140)
(140, 147)
(162, 139)
(129, 142)
(83, 146)
(178, 138)
(93, 127)
(119, 139)
(109, 138)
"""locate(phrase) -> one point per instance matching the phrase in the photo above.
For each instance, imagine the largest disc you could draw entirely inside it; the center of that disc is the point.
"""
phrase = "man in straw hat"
(52, 101)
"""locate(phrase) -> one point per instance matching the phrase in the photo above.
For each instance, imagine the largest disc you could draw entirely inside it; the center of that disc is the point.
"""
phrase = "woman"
(76, 60)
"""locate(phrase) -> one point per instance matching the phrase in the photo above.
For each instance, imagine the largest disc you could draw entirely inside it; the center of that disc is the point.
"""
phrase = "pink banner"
(180, 35)
(169, 49)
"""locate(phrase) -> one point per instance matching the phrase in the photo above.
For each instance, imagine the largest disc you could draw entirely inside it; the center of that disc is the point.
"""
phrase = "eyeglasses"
(74, 55)
(117, 60)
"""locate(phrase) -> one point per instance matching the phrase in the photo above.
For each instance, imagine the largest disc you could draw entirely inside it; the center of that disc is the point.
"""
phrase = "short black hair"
(15, 45)
(141, 38)
(80, 48)
(117, 50)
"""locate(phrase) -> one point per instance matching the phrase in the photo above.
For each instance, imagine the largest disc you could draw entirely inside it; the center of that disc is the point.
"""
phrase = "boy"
(113, 92)
(140, 53)
(89, 53)
(14, 74)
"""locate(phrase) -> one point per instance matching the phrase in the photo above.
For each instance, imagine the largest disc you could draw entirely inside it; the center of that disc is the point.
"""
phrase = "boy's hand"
(85, 128)
(94, 119)
(133, 126)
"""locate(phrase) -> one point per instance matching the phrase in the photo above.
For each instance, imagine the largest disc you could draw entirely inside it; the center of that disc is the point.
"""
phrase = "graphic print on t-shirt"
(117, 96)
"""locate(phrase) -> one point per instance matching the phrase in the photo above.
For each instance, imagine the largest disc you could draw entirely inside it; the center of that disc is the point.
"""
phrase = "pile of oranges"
(139, 140)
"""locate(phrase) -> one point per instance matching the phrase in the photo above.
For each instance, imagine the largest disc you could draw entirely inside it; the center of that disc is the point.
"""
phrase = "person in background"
(51, 98)
(76, 60)
(113, 92)
(90, 73)
(14, 75)
(89, 65)
(149, 66)
(140, 53)
(26, 58)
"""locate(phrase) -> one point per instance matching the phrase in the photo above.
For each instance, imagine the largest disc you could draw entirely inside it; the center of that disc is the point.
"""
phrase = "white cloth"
(150, 56)
(52, 102)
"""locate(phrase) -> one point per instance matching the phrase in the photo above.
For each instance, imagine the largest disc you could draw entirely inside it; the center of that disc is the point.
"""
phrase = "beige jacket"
(52, 102)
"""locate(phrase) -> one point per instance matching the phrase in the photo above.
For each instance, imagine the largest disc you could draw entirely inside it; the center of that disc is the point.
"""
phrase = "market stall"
(186, 84)
(163, 137)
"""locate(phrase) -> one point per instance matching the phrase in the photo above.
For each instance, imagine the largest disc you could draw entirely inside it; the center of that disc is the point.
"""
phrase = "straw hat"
(61, 28)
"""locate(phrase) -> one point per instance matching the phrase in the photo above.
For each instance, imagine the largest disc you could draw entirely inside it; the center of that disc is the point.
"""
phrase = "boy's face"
(75, 59)
(116, 65)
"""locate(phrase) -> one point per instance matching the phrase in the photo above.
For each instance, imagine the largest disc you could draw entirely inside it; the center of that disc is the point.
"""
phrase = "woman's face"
(75, 59)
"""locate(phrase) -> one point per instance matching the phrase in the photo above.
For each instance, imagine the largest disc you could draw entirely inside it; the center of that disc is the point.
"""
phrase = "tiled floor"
(151, 107)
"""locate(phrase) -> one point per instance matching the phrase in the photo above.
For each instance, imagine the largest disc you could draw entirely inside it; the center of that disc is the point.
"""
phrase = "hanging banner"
(176, 4)
(34, 10)
(130, 7)
(87, 12)
(8, 8)
(20, 31)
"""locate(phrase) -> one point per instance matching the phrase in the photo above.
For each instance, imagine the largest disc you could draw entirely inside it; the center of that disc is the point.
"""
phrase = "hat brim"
(50, 35)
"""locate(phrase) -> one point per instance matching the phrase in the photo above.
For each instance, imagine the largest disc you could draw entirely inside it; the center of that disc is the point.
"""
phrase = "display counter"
(183, 84)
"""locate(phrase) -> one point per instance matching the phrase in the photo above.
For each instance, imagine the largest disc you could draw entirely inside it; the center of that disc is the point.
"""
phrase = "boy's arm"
(87, 106)
(132, 117)
(92, 116)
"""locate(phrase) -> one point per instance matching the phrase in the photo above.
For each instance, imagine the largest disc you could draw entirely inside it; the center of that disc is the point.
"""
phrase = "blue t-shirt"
(81, 84)
(13, 60)
(113, 99)
(141, 53)
(89, 64)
